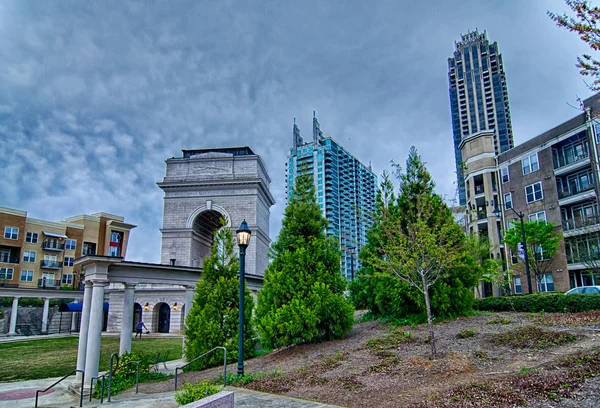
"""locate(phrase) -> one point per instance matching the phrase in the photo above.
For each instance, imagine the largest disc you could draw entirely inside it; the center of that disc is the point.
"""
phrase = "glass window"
(89, 248)
(513, 258)
(5, 255)
(11, 233)
(6, 273)
(68, 261)
(67, 279)
(530, 164)
(518, 287)
(505, 174)
(539, 216)
(70, 244)
(31, 237)
(508, 201)
(28, 256)
(534, 192)
(546, 284)
(26, 276)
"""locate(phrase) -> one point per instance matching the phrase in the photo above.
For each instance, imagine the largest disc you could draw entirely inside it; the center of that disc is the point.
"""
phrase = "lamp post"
(243, 238)
(498, 213)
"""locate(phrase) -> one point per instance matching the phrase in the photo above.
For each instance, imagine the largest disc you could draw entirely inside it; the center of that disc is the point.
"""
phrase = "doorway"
(164, 318)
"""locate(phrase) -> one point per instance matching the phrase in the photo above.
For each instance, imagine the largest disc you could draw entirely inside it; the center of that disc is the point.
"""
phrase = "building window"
(26, 276)
(546, 284)
(70, 244)
(31, 237)
(28, 256)
(513, 258)
(89, 248)
(505, 174)
(48, 278)
(5, 255)
(517, 284)
(6, 273)
(539, 253)
(67, 279)
(530, 164)
(508, 201)
(68, 261)
(11, 233)
(534, 192)
(539, 216)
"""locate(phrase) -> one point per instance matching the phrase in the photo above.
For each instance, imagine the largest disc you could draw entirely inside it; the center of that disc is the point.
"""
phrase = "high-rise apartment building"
(40, 254)
(345, 188)
(478, 97)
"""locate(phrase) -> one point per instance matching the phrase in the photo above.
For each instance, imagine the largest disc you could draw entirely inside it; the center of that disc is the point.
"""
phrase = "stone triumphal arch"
(205, 187)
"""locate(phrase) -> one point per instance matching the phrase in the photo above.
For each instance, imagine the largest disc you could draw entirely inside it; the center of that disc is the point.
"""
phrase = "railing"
(572, 224)
(481, 215)
(46, 283)
(110, 375)
(568, 161)
(52, 244)
(45, 263)
(565, 194)
(68, 375)
(101, 387)
(199, 357)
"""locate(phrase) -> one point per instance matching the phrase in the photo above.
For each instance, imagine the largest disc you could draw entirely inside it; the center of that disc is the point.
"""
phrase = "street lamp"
(498, 213)
(243, 238)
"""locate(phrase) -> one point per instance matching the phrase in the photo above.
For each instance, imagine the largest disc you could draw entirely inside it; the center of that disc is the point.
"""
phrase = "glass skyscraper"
(345, 189)
(478, 96)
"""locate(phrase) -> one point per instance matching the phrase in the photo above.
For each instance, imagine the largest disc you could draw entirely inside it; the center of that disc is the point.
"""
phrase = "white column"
(45, 315)
(92, 354)
(127, 321)
(189, 300)
(83, 329)
(74, 318)
(13, 317)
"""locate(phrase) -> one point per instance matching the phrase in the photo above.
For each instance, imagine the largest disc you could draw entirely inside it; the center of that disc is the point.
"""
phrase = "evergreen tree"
(302, 295)
(415, 261)
(214, 317)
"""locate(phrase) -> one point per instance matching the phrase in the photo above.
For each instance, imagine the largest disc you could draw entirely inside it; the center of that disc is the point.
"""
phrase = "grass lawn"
(29, 360)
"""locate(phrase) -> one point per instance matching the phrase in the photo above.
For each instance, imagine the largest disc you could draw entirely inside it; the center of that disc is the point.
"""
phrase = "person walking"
(138, 329)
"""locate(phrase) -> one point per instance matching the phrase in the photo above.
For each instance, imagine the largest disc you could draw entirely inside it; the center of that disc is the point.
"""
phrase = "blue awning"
(75, 307)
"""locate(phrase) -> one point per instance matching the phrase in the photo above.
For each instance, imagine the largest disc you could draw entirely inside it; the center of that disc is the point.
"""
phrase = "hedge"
(535, 303)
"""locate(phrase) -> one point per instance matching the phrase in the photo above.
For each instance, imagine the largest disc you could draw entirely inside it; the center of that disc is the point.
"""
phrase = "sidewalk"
(22, 395)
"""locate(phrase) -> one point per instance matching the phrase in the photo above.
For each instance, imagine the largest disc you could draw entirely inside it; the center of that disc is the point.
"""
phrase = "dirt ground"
(378, 365)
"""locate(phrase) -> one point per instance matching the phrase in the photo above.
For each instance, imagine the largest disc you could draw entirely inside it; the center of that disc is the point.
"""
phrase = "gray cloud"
(96, 95)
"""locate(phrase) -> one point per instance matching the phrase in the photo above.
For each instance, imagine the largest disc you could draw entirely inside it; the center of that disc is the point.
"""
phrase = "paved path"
(22, 395)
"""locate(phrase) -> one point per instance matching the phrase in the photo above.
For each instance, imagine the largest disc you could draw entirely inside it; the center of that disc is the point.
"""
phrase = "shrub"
(549, 302)
(125, 374)
(532, 337)
(499, 320)
(194, 392)
(466, 333)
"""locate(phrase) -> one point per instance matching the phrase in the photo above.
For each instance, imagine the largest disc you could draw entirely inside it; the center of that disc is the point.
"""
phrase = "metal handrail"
(110, 372)
(68, 375)
(199, 357)
(103, 376)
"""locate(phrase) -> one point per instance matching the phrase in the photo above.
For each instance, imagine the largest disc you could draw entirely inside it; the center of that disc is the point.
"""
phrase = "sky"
(96, 95)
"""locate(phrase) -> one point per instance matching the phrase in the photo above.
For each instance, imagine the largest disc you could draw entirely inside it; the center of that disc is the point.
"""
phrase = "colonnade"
(12, 328)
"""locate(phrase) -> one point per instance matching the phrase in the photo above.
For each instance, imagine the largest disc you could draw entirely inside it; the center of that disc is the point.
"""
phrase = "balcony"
(53, 245)
(569, 164)
(48, 264)
(479, 189)
(580, 226)
(573, 196)
(481, 215)
(48, 284)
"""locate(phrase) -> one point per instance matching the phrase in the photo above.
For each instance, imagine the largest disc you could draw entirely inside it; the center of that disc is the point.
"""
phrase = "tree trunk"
(429, 319)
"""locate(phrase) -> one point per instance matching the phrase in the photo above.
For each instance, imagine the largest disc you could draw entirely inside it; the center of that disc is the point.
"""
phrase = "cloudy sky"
(95, 95)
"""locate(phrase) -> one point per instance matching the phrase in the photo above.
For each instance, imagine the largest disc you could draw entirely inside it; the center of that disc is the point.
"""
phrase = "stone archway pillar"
(83, 330)
(12, 331)
(127, 320)
(45, 316)
(92, 355)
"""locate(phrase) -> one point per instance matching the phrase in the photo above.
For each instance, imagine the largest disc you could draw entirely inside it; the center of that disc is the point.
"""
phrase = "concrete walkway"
(22, 395)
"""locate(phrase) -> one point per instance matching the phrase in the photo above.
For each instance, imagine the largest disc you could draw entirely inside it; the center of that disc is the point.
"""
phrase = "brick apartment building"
(37, 253)
(552, 177)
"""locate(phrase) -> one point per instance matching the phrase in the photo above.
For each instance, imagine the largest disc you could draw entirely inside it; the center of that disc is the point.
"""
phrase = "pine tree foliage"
(415, 262)
(214, 317)
(302, 296)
